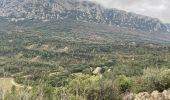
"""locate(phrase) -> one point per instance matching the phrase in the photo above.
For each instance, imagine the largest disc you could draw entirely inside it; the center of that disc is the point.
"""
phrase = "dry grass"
(7, 83)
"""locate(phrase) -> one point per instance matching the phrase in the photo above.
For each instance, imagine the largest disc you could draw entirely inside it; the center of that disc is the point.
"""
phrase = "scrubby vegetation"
(59, 65)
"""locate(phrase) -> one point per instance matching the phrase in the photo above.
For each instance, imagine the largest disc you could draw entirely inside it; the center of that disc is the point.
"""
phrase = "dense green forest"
(61, 64)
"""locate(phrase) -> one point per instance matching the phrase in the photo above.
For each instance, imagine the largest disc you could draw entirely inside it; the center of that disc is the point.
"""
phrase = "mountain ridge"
(46, 10)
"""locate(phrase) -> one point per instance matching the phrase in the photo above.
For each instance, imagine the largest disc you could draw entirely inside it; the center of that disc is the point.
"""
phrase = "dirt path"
(19, 85)
(16, 84)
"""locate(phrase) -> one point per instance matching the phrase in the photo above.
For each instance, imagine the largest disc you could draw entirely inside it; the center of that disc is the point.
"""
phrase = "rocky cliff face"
(168, 25)
(77, 10)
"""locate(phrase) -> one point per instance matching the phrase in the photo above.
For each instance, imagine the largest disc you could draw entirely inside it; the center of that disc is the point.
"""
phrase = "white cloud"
(154, 8)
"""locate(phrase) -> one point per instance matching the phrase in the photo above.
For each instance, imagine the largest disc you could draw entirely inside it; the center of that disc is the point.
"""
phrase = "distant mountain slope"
(78, 10)
(79, 31)
(168, 25)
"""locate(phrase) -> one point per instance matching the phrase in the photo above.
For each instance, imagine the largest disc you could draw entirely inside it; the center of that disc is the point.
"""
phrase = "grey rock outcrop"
(78, 10)
(155, 95)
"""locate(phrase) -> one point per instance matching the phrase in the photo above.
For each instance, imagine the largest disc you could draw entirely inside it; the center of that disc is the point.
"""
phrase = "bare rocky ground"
(155, 95)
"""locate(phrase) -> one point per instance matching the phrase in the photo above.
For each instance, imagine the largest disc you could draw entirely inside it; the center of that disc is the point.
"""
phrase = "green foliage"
(91, 88)
(153, 79)
(165, 79)
(124, 83)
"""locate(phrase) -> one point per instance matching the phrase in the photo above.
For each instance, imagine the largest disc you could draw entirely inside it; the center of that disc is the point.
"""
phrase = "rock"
(166, 94)
(129, 96)
(155, 95)
(98, 70)
(142, 96)
(109, 70)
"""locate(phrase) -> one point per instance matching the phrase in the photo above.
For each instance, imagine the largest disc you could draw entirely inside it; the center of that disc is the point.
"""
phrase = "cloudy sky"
(154, 8)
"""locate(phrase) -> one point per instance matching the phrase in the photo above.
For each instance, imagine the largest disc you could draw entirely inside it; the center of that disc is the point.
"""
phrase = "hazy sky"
(154, 8)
